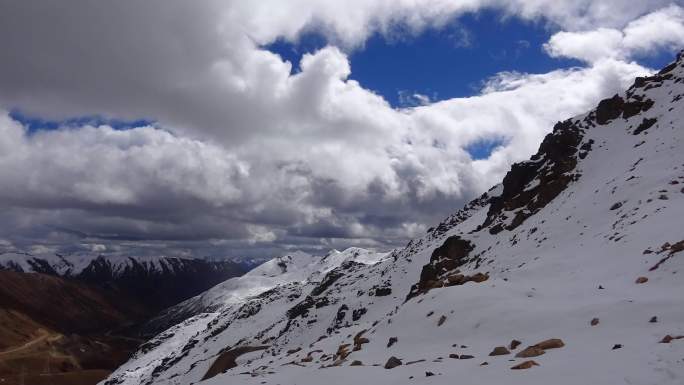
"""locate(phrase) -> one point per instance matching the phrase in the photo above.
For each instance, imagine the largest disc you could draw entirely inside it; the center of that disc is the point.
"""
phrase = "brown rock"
(553, 343)
(307, 359)
(499, 351)
(530, 351)
(392, 362)
(668, 338)
(594, 322)
(293, 351)
(514, 344)
(479, 277)
(525, 365)
(641, 280)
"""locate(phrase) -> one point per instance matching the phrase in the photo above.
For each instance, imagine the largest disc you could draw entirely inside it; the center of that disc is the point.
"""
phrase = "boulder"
(499, 351)
(530, 351)
(525, 365)
(392, 362)
(514, 344)
(641, 280)
(553, 343)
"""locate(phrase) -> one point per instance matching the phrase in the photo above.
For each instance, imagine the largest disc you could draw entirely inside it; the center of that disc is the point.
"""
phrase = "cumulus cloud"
(247, 157)
(663, 28)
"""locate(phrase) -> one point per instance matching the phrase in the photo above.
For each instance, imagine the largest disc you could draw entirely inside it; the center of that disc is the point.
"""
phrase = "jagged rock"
(525, 365)
(594, 322)
(499, 351)
(392, 362)
(392, 341)
(653, 319)
(641, 280)
(514, 344)
(429, 374)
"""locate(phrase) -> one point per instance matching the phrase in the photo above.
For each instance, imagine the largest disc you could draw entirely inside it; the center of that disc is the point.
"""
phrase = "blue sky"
(449, 62)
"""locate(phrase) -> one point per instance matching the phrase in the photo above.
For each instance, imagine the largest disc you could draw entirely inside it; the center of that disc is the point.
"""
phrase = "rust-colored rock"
(525, 365)
(530, 351)
(553, 343)
(641, 280)
(668, 338)
(499, 351)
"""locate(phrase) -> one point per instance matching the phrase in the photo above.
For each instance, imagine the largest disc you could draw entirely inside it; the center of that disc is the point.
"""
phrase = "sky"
(241, 128)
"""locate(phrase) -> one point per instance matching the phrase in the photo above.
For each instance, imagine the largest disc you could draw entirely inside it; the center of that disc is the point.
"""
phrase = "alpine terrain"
(567, 272)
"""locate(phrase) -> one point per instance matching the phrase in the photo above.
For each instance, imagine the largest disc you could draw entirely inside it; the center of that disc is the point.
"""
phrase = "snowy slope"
(582, 243)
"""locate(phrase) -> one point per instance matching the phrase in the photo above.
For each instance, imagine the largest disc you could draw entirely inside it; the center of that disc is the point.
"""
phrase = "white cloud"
(245, 153)
(663, 28)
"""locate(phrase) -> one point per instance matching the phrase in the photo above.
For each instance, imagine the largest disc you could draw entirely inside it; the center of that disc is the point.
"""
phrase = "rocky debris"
(465, 357)
(514, 344)
(616, 206)
(617, 346)
(454, 356)
(392, 362)
(499, 351)
(308, 358)
(484, 363)
(293, 351)
(525, 365)
(653, 319)
(359, 340)
(530, 351)
(392, 341)
(441, 321)
(668, 338)
(641, 280)
(342, 351)
(594, 322)
(356, 363)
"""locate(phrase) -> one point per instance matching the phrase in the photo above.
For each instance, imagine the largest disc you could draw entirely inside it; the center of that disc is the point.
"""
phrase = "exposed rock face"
(531, 185)
(530, 351)
(446, 258)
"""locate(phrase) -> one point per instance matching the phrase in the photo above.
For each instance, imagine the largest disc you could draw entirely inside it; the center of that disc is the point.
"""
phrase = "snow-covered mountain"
(569, 270)
(159, 281)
